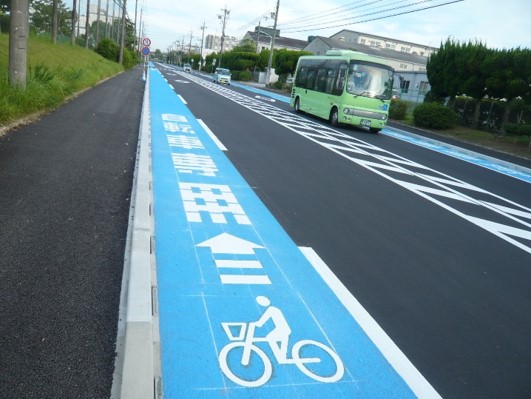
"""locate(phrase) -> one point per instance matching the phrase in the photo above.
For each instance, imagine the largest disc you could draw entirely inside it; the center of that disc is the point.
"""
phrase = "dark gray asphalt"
(453, 297)
(65, 183)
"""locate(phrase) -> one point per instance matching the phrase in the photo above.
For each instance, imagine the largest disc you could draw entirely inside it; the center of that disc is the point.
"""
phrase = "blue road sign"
(242, 311)
(145, 51)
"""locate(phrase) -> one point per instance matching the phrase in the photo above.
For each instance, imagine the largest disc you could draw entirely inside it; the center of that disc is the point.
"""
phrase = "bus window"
(330, 80)
(302, 75)
(310, 80)
(321, 79)
(369, 81)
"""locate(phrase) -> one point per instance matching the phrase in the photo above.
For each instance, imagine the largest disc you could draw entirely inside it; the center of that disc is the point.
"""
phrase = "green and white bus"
(344, 87)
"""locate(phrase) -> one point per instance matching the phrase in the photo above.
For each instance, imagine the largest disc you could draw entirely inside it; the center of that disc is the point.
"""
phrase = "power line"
(357, 15)
(315, 27)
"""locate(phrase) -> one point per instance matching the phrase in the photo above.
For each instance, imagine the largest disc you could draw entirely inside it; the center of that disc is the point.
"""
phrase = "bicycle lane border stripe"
(210, 227)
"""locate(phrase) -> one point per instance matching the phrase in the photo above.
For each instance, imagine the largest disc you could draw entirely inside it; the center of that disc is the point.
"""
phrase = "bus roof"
(348, 55)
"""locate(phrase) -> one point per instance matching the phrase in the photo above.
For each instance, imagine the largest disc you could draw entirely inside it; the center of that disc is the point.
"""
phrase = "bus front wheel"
(374, 130)
(297, 105)
(334, 117)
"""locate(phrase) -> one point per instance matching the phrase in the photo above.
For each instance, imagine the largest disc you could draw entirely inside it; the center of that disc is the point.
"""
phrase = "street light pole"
(270, 62)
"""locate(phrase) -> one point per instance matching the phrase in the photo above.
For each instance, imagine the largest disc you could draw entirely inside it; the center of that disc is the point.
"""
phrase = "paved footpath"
(243, 311)
(65, 184)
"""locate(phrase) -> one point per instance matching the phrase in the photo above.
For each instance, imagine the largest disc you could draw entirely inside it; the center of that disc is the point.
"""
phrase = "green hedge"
(434, 116)
(518, 129)
(398, 109)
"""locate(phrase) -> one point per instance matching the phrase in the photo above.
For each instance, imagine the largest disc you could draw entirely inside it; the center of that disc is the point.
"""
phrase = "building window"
(362, 41)
(405, 49)
(403, 66)
(423, 87)
(404, 85)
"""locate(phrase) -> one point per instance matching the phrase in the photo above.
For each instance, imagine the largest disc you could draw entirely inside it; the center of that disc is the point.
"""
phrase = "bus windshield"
(369, 80)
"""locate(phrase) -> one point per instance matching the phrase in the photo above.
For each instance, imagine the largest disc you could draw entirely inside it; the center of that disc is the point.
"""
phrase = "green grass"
(515, 145)
(55, 72)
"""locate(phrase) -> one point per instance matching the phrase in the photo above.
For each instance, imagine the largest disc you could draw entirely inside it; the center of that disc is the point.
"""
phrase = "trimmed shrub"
(434, 116)
(518, 129)
(398, 109)
(108, 49)
(246, 76)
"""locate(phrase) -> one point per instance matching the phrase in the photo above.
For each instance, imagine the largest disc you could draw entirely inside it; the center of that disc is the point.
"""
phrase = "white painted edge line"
(212, 135)
(182, 99)
(396, 358)
(173, 88)
(134, 377)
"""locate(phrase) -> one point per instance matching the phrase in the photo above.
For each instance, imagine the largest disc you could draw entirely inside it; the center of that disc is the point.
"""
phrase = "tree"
(43, 16)
(286, 61)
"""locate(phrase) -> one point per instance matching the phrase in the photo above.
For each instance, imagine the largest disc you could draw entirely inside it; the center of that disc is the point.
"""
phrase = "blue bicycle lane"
(224, 263)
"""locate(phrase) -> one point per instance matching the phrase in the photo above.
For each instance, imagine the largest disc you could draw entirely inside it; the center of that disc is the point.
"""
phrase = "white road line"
(396, 358)
(212, 135)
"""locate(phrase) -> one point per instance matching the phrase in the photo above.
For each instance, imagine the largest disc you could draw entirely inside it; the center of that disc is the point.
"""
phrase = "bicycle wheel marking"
(223, 261)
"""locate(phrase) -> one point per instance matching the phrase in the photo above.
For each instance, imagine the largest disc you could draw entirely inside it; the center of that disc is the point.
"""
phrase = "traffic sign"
(145, 51)
(146, 42)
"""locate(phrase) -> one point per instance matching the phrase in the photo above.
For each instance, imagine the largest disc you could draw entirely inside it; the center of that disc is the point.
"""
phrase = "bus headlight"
(347, 111)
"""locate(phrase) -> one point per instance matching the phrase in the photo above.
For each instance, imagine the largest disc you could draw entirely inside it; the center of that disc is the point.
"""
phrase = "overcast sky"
(498, 23)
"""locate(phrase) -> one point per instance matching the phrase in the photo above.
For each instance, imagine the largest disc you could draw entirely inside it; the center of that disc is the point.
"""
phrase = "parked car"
(396, 94)
(222, 75)
(187, 68)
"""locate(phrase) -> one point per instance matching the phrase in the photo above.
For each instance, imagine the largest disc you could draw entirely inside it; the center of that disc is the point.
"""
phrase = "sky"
(496, 23)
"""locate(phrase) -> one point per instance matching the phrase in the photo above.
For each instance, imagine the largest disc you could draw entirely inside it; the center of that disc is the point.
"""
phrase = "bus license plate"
(365, 122)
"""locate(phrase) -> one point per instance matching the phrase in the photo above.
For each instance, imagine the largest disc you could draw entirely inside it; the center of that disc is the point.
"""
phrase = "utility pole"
(140, 30)
(225, 15)
(54, 22)
(18, 42)
(270, 62)
(202, 41)
(74, 21)
(87, 27)
(190, 44)
(136, 11)
(98, 23)
(122, 39)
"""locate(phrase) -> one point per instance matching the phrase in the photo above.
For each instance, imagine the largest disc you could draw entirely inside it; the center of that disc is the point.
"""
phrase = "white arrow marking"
(228, 244)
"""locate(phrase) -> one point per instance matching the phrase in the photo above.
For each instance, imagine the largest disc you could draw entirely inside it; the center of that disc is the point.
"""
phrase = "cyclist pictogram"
(253, 356)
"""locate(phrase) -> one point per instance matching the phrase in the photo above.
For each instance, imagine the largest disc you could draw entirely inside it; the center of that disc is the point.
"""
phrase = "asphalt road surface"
(65, 183)
(452, 294)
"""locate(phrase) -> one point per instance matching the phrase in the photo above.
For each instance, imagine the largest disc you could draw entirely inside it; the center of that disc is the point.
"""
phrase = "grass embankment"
(55, 72)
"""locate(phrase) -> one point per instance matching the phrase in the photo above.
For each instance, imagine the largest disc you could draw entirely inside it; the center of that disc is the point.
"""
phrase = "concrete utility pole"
(136, 12)
(270, 62)
(202, 41)
(18, 42)
(74, 21)
(225, 15)
(122, 39)
(87, 27)
(190, 44)
(54, 22)
(98, 23)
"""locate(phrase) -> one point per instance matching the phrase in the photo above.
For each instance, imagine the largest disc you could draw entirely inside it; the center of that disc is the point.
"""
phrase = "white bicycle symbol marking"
(278, 341)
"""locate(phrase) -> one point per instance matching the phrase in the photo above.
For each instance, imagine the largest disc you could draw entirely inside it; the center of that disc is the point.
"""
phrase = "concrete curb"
(137, 375)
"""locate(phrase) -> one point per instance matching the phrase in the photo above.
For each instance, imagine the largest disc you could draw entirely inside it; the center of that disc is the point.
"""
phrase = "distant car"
(222, 75)
(187, 68)
(289, 81)
(396, 94)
